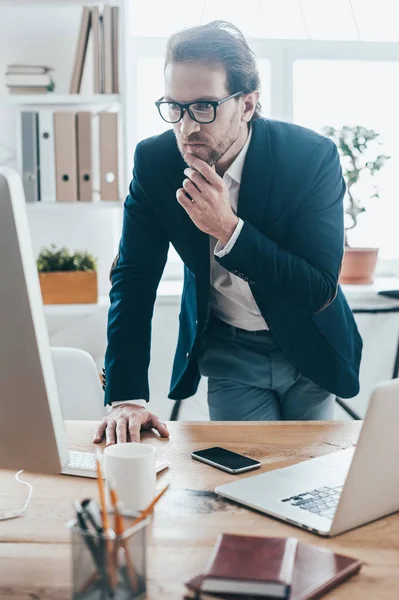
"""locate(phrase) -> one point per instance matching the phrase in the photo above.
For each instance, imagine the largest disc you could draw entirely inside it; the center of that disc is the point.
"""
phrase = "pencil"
(147, 511)
(119, 530)
(100, 483)
(104, 513)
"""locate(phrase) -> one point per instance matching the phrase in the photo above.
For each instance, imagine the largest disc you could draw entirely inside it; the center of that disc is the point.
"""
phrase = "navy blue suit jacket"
(289, 251)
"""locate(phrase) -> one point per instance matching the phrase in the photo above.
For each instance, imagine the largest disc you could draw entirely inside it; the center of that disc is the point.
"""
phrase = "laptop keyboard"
(321, 501)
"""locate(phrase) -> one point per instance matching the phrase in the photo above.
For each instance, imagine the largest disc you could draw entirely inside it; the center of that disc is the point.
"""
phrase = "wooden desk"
(35, 550)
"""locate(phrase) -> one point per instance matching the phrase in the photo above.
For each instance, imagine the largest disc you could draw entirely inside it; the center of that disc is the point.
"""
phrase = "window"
(347, 92)
(319, 65)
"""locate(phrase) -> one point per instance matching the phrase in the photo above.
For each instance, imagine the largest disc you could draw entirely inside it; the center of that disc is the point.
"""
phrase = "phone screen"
(226, 458)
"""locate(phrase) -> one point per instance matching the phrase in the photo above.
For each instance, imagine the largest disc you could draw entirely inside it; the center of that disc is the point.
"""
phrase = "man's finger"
(110, 433)
(198, 180)
(134, 429)
(99, 432)
(160, 426)
(191, 189)
(182, 199)
(206, 171)
(121, 431)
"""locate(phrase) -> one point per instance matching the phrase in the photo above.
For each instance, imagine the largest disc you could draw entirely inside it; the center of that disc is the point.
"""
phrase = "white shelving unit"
(51, 99)
(79, 206)
(46, 32)
(64, 101)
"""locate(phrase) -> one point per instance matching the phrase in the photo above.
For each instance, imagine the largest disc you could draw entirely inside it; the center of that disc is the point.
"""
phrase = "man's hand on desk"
(124, 423)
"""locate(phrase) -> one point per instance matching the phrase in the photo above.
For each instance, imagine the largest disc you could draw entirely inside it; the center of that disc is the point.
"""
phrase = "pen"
(95, 547)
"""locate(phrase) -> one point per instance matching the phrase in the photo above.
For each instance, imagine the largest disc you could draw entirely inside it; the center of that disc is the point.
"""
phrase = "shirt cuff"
(139, 402)
(221, 250)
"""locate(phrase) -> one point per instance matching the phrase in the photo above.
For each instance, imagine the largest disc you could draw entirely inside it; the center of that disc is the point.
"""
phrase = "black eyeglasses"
(201, 111)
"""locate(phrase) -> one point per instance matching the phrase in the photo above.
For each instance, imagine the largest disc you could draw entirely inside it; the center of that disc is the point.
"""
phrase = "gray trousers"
(250, 379)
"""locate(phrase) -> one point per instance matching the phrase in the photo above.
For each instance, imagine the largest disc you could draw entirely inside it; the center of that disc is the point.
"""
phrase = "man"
(254, 208)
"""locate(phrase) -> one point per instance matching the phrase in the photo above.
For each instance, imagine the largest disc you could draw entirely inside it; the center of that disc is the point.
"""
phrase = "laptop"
(336, 492)
(32, 431)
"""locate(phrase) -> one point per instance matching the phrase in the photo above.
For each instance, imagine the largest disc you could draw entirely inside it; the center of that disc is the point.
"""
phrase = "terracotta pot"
(359, 265)
(69, 287)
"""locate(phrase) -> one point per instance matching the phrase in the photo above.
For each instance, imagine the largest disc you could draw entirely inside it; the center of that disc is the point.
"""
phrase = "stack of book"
(29, 79)
(62, 151)
(104, 25)
(249, 568)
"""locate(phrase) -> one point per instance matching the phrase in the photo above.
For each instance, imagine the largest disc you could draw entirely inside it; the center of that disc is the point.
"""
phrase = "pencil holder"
(106, 567)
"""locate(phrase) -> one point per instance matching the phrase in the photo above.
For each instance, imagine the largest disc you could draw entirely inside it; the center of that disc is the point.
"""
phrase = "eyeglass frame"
(186, 106)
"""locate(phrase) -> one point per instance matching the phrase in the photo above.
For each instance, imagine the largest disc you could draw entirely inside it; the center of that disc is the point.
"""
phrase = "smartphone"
(225, 460)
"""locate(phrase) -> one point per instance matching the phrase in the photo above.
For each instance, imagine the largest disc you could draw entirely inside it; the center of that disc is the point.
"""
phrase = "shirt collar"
(235, 169)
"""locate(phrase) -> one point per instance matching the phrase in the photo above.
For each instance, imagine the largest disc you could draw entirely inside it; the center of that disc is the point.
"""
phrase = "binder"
(107, 49)
(81, 50)
(96, 25)
(115, 49)
(30, 156)
(84, 140)
(47, 159)
(65, 156)
(109, 188)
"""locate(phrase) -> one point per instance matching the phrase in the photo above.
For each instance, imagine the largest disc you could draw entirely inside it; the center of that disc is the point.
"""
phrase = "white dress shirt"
(231, 299)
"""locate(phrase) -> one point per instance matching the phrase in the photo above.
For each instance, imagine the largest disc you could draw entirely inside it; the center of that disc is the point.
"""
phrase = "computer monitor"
(32, 433)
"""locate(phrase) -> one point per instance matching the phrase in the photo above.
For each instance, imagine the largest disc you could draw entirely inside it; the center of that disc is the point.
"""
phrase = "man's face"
(189, 82)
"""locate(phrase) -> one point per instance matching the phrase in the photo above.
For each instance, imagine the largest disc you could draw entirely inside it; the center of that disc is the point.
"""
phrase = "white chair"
(79, 387)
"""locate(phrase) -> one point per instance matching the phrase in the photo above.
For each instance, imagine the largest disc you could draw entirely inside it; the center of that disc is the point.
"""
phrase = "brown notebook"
(316, 571)
(243, 564)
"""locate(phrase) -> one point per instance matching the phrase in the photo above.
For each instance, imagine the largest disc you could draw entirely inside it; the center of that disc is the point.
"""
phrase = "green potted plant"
(67, 278)
(359, 155)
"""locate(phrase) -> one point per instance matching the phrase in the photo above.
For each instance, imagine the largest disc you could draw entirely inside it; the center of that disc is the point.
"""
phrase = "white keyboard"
(83, 464)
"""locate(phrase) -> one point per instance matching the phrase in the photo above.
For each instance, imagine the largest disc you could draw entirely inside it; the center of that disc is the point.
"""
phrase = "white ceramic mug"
(131, 468)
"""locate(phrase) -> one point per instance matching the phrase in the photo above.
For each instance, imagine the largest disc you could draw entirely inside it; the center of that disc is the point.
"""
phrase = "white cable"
(13, 514)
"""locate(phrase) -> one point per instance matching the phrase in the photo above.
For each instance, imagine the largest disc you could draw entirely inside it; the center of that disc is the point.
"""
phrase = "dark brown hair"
(218, 43)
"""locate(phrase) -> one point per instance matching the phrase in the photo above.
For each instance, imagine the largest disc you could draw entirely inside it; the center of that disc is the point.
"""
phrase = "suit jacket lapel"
(256, 176)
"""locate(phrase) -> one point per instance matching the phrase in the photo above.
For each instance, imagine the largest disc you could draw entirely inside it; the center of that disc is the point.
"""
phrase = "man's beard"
(213, 155)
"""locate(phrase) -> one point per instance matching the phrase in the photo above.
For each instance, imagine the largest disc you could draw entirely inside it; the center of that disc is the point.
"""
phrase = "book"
(28, 79)
(30, 155)
(27, 69)
(96, 25)
(47, 156)
(259, 566)
(84, 144)
(81, 50)
(109, 177)
(316, 571)
(115, 48)
(108, 77)
(65, 156)
(28, 90)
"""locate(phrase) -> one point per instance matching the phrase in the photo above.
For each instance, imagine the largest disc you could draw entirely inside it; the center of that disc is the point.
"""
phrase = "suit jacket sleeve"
(306, 271)
(135, 277)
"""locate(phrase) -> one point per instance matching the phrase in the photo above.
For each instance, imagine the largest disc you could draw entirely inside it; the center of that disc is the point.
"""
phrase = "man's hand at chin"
(125, 422)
